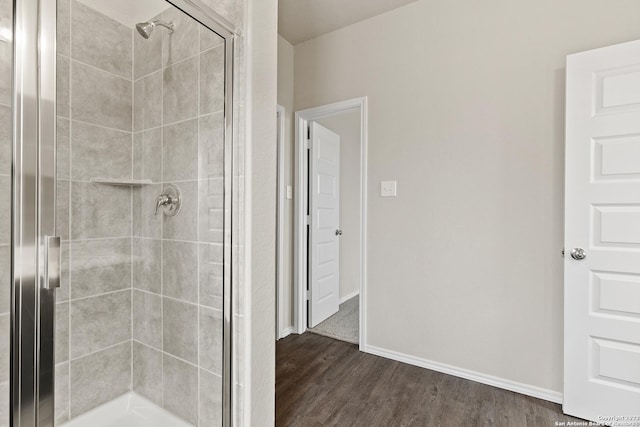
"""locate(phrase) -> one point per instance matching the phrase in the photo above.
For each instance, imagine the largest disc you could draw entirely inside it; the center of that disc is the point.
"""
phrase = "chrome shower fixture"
(146, 28)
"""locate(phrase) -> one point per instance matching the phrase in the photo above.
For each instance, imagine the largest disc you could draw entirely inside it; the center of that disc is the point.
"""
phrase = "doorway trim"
(302, 119)
(280, 208)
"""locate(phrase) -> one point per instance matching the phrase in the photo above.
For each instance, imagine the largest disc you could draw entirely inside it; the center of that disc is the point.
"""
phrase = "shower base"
(129, 410)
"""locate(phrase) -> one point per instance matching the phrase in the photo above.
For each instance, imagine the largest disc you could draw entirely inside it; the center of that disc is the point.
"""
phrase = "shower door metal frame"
(32, 362)
(33, 198)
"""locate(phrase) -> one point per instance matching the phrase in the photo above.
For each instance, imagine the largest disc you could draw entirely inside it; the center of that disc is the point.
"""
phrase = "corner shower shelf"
(122, 182)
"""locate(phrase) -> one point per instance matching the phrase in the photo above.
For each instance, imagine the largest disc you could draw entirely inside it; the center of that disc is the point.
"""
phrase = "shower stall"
(116, 178)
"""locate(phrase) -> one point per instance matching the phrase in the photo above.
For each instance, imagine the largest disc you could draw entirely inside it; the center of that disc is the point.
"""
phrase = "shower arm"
(169, 26)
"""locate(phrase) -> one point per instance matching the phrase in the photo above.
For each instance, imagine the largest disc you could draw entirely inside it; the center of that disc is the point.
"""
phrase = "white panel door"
(602, 290)
(324, 205)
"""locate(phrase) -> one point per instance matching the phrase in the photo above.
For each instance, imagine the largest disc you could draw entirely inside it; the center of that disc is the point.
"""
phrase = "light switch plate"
(289, 192)
(389, 188)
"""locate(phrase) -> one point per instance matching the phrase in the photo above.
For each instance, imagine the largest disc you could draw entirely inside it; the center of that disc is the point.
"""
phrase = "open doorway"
(329, 250)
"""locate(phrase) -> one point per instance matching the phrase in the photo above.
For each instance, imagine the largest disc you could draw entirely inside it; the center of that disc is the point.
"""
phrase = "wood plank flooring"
(324, 382)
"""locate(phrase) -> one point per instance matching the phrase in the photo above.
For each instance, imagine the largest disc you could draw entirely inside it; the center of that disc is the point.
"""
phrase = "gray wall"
(261, 166)
(466, 111)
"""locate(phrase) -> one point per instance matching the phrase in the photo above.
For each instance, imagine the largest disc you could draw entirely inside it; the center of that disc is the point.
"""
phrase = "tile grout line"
(164, 67)
(69, 219)
(98, 295)
(195, 304)
(83, 122)
(198, 248)
(96, 239)
(177, 122)
(106, 239)
(93, 353)
(95, 67)
(89, 181)
(133, 64)
(162, 72)
(174, 356)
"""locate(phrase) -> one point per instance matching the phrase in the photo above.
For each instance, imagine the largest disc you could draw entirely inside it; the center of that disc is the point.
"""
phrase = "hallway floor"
(324, 382)
(344, 325)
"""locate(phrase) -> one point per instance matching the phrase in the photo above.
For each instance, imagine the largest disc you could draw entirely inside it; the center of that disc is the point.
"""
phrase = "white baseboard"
(348, 297)
(529, 390)
(286, 332)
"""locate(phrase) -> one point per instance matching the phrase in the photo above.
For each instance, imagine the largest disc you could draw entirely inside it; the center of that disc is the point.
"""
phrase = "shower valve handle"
(162, 200)
(170, 200)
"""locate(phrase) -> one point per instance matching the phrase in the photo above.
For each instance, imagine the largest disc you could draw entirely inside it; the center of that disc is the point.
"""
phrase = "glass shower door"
(115, 296)
(143, 105)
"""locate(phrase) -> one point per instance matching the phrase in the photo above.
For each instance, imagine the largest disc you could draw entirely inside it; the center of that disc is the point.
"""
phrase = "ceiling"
(301, 20)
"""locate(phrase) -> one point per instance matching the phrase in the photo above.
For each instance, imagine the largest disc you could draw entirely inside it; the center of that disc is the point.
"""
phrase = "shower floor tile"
(129, 410)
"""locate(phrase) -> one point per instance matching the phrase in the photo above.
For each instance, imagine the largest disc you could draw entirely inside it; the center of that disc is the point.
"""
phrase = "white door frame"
(281, 324)
(302, 119)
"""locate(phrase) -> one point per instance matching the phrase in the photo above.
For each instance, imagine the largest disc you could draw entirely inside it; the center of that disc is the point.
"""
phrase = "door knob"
(338, 232)
(578, 254)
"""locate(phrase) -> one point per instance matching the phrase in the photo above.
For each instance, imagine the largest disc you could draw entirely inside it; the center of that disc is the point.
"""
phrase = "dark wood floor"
(324, 382)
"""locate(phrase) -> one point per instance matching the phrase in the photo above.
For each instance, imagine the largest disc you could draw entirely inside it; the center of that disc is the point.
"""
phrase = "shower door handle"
(52, 262)
(47, 127)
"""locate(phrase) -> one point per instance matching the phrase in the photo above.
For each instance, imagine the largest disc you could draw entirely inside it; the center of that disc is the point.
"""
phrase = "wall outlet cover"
(389, 189)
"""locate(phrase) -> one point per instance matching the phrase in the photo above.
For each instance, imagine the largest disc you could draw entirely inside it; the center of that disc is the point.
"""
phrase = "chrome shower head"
(146, 28)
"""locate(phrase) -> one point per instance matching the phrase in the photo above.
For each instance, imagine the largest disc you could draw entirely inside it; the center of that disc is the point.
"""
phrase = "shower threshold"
(129, 410)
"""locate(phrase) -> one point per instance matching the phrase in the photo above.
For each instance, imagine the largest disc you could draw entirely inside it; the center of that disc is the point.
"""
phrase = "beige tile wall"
(179, 137)
(95, 137)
